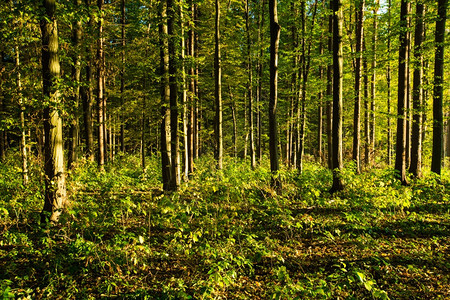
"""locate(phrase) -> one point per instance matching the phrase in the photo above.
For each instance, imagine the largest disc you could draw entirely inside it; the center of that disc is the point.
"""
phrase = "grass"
(226, 234)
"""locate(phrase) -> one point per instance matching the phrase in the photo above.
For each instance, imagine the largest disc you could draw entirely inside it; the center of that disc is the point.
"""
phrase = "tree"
(359, 17)
(122, 72)
(100, 97)
(416, 138)
(218, 90)
(337, 95)
(438, 90)
(55, 187)
(388, 80)
(250, 88)
(400, 148)
(273, 97)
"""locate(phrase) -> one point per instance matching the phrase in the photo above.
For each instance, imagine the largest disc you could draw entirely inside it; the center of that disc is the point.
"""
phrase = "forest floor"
(226, 235)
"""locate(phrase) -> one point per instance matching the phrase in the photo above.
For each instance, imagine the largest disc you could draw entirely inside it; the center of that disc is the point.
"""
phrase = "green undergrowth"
(226, 235)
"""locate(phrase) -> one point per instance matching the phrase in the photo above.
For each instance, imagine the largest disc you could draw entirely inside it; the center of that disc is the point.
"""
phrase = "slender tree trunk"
(438, 91)
(122, 75)
(100, 75)
(337, 96)
(320, 112)
(273, 126)
(359, 17)
(416, 139)
(408, 97)
(250, 88)
(165, 98)
(330, 94)
(55, 187)
(191, 123)
(218, 91)
(186, 153)
(388, 79)
(76, 77)
(88, 93)
(233, 112)
(366, 112)
(197, 103)
(23, 135)
(400, 154)
(373, 83)
(175, 179)
(260, 75)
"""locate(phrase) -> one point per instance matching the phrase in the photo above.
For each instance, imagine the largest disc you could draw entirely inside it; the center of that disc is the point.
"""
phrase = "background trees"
(128, 58)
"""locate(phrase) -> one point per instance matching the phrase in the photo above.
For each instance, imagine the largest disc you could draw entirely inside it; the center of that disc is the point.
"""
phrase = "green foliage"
(226, 234)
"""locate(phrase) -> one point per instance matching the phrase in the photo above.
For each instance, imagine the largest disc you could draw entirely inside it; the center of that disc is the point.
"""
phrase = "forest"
(224, 149)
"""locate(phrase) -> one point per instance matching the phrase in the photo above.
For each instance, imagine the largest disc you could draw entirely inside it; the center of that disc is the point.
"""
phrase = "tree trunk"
(337, 96)
(416, 138)
(260, 75)
(250, 88)
(218, 91)
(88, 93)
(438, 90)
(122, 76)
(373, 83)
(186, 153)
(191, 122)
(329, 94)
(233, 112)
(55, 187)
(366, 112)
(400, 153)
(359, 17)
(165, 98)
(273, 126)
(100, 102)
(388, 79)
(76, 76)
(23, 136)
(173, 85)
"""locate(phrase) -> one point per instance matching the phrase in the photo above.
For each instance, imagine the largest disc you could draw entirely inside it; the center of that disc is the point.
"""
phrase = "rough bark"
(337, 96)
(273, 97)
(55, 187)
(400, 153)
(438, 90)
(416, 138)
(218, 90)
(359, 17)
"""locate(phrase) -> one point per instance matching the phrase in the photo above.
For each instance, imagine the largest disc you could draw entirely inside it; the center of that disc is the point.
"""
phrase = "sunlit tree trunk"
(55, 187)
(273, 98)
(184, 99)
(23, 135)
(438, 91)
(191, 104)
(260, 74)
(76, 76)
(337, 96)
(416, 138)
(218, 91)
(165, 97)
(173, 85)
(122, 74)
(100, 75)
(250, 89)
(400, 154)
(388, 79)
(373, 82)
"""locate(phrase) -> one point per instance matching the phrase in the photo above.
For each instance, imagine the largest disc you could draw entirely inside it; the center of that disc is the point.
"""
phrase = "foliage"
(226, 234)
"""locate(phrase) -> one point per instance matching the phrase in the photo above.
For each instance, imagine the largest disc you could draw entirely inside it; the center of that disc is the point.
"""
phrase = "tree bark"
(218, 91)
(400, 154)
(184, 99)
(416, 138)
(165, 98)
(250, 88)
(273, 98)
(173, 85)
(438, 90)
(373, 83)
(76, 76)
(329, 93)
(55, 187)
(100, 76)
(388, 79)
(260, 75)
(337, 96)
(122, 75)
(359, 17)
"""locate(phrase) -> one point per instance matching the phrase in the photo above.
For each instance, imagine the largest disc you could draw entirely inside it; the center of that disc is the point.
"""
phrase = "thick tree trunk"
(273, 98)
(175, 159)
(218, 91)
(55, 187)
(416, 138)
(165, 98)
(359, 17)
(438, 90)
(400, 155)
(337, 96)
